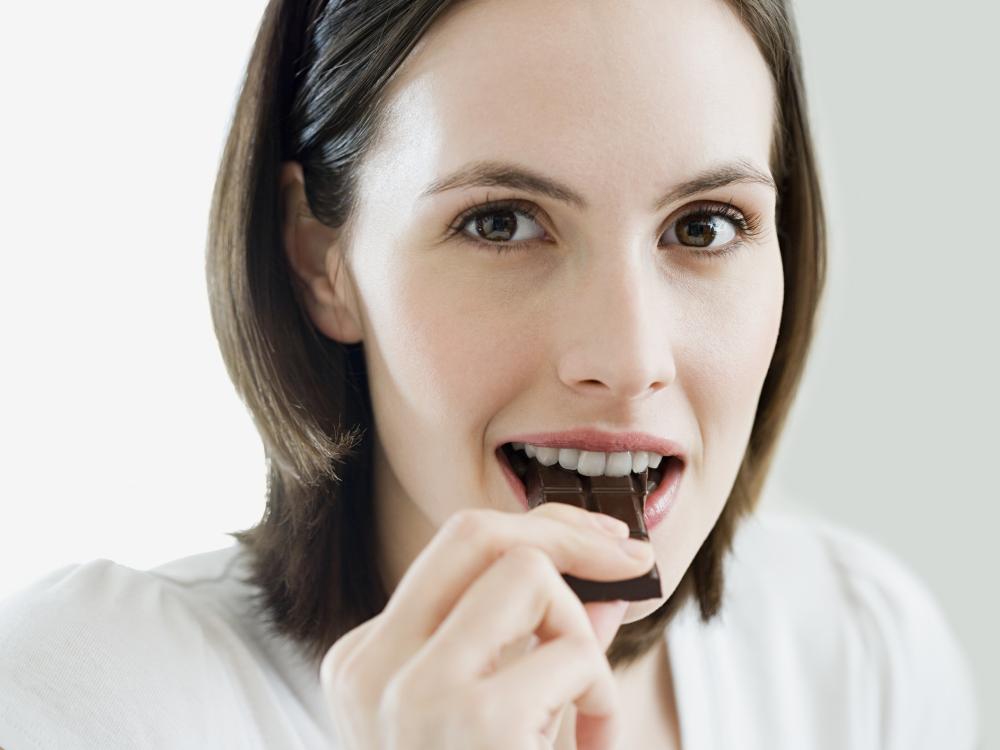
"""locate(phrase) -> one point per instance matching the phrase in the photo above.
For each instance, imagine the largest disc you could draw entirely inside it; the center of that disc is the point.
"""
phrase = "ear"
(317, 262)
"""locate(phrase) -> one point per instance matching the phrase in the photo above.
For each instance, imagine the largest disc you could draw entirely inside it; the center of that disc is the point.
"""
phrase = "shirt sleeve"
(924, 685)
(98, 655)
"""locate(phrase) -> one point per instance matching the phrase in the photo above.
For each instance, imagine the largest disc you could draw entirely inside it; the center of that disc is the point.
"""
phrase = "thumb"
(605, 619)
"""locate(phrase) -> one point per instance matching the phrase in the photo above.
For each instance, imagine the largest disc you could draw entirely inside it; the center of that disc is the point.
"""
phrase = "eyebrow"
(505, 174)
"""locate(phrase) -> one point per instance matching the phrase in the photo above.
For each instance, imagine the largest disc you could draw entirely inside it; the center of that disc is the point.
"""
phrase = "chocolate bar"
(619, 497)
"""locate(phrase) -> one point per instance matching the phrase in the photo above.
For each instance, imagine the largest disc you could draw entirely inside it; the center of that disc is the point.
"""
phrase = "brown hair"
(312, 94)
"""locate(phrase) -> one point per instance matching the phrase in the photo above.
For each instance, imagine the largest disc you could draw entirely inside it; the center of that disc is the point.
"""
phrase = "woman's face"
(606, 313)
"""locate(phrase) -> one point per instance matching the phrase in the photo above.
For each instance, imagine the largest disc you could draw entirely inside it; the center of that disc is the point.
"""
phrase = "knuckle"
(478, 528)
(400, 700)
(481, 714)
(540, 579)
(347, 678)
(392, 719)
(529, 562)
(577, 550)
(392, 699)
(587, 646)
(330, 667)
(582, 543)
(467, 525)
(589, 653)
(343, 666)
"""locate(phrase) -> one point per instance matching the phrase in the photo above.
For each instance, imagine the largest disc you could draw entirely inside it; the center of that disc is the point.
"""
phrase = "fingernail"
(635, 548)
(611, 525)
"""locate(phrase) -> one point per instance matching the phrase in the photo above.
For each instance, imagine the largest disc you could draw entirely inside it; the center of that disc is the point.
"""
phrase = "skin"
(602, 318)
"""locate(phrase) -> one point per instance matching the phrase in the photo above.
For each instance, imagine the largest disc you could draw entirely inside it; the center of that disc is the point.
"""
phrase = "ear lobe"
(316, 259)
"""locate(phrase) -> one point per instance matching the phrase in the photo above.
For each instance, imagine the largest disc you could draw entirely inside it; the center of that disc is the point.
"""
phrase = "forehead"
(616, 96)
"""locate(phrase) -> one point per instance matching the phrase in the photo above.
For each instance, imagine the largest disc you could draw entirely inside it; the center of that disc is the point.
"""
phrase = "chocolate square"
(619, 497)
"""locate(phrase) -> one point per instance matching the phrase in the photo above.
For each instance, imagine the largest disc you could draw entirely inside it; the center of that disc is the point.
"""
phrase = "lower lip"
(657, 505)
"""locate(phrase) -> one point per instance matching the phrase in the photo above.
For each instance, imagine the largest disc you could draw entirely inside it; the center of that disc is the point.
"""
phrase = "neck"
(648, 715)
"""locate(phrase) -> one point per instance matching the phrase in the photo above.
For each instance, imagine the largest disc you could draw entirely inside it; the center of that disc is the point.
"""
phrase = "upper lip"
(591, 439)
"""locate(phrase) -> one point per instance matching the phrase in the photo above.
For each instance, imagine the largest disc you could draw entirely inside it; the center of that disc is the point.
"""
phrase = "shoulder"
(856, 615)
(93, 654)
(112, 603)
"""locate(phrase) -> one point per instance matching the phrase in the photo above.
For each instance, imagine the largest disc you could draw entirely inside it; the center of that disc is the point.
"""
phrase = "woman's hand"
(425, 672)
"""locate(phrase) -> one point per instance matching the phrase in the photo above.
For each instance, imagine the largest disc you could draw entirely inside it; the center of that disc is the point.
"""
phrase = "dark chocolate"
(619, 497)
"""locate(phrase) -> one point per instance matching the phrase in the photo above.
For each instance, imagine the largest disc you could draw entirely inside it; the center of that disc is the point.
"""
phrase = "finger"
(577, 516)
(551, 730)
(520, 594)
(347, 686)
(558, 672)
(341, 651)
(470, 541)
(606, 618)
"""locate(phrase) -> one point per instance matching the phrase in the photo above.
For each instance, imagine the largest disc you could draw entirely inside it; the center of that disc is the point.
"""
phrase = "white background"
(122, 437)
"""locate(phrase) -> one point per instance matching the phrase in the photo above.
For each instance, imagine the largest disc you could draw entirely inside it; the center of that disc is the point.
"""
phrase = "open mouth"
(519, 461)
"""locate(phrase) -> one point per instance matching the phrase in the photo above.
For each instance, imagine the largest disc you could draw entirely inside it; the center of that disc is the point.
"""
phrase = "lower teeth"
(650, 485)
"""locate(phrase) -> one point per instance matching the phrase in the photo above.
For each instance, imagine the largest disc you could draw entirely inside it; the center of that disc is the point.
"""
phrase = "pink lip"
(657, 504)
(591, 439)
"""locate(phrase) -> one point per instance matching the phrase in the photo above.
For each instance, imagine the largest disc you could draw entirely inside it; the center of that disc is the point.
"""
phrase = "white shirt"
(824, 641)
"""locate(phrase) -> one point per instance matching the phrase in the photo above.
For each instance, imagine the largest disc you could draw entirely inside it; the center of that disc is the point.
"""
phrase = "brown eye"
(502, 225)
(702, 230)
(497, 226)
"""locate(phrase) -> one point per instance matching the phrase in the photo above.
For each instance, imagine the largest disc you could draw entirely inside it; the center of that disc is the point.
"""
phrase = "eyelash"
(747, 224)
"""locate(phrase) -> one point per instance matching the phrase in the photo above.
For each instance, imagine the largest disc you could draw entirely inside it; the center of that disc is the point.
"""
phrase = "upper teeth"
(592, 463)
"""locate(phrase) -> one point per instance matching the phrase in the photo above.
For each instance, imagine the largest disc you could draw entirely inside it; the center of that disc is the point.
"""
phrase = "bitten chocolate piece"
(620, 497)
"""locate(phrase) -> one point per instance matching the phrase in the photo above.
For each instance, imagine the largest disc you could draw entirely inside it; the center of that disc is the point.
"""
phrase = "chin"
(638, 610)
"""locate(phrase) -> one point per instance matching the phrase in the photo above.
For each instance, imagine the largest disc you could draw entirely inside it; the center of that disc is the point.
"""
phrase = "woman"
(445, 234)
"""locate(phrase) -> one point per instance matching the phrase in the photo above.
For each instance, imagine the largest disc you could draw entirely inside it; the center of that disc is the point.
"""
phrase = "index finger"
(471, 541)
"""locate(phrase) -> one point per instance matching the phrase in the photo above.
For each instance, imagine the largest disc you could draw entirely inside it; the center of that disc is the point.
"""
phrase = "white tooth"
(517, 446)
(654, 460)
(546, 456)
(640, 461)
(530, 450)
(650, 485)
(568, 458)
(591, 463)
(619, 464)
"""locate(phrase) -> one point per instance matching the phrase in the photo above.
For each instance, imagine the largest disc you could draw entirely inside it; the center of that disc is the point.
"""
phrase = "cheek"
(453, 347)
(729, 356)
(748, 344)
(742, 327)
(721, 369)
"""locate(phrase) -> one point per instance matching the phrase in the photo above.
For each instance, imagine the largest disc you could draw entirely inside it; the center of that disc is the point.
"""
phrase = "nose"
(614, 336)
